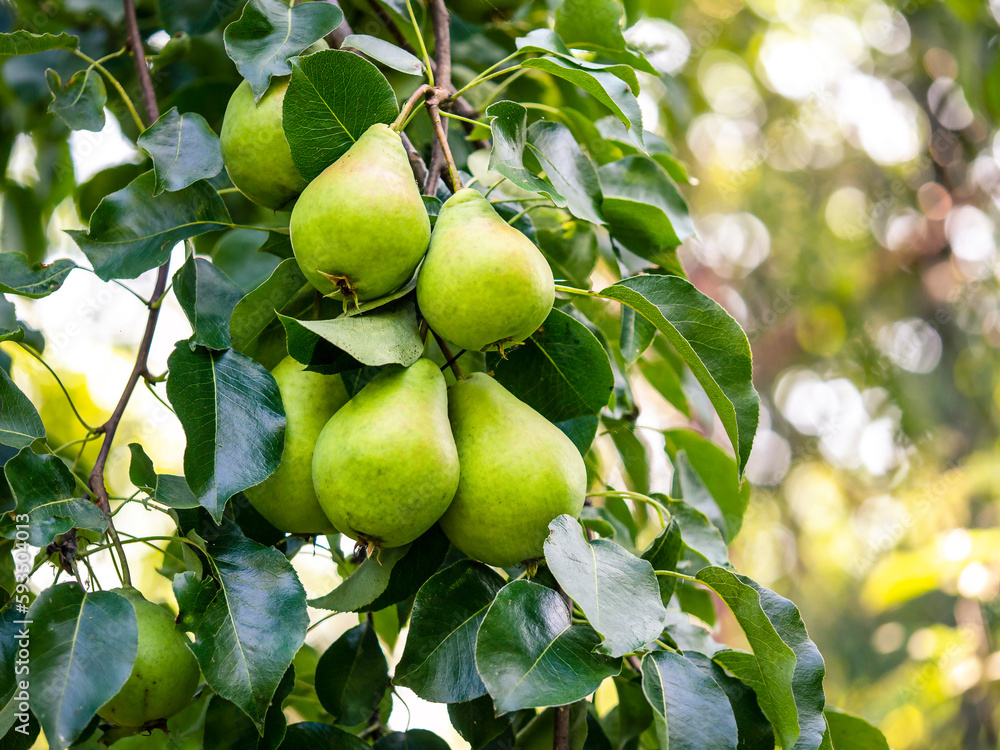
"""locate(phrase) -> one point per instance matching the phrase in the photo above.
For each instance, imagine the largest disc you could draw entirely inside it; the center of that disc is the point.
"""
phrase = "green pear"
(484, 285)
(385, 466)
(254, 148)
(361, 228)
(287, 498)
(165, 673)
(519, 471)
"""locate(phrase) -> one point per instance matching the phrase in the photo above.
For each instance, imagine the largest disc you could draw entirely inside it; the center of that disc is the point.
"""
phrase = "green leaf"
(389, 335)
(693, 712)
(663, 553)
(83, 645)
(637, 334)
(240, 255)
(270, 33)
(571, 250)
(633, 450)
(439, 661)
(20, 424)
(509, 125)
(228, 728)
(709, 465)
(131, 231)
(167, 489)
(645, 210)
(20, 276)
(333, 98)
(851, 733)
(254, 626)
(561, 371)
(44, 489)
(313, 735)
(352, 676)
(616, 590)
(546, 40)
(530, 654)
(386, 53)
(607, 88)
(631, 717)
(709, 341)
(700, 535)
(568, 168)
(284, 289)
(755, 730)
(184, 149)
(414, 739)
(25, 43)
(393, 575)
(774, 670)
(477, 722)
(207, 296)
(80, 103)
(194, 17)
(231, 412)
(596, 25)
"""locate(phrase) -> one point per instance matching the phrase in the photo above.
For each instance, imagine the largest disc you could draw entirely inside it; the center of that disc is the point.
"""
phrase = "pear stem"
(452, 361)
(404, 112)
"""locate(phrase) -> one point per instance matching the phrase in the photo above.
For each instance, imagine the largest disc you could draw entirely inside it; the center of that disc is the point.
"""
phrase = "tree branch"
(442, 77)
(109, 428)
(560, 733)
(336, 37)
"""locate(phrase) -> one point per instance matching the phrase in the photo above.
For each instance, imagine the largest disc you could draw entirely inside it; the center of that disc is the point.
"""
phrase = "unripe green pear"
(385, 466)
(484, 285)
(287, 498)
(165, 673)
(519, 471)
(254, 148)
(361, 228)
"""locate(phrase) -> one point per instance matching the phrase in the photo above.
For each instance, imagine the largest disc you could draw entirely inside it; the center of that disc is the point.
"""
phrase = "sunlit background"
(846, 192)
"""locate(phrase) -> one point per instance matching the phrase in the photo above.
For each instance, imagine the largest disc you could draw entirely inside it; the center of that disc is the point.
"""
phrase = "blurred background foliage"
(845, 189)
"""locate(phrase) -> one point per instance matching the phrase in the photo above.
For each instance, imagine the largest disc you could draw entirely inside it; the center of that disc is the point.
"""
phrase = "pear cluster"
(407, 451)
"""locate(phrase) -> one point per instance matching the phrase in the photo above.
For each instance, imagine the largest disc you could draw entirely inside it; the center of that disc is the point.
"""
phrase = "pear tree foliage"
(429, 251)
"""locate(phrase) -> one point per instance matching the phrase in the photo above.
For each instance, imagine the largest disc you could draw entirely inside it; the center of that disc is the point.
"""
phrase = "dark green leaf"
(253, 627)
(715, 470)
(693, 712)
(352, 676)
(644, 209)
(20, 424)
(633, 450)
(663, 554)
(386, 53)
(439, 661)
(21, 277)
(83, 645)
(311, 735)
(228, 728)
(389, 335)
(132, 232)
(755, 730)
(596, 25)
(333, 98)
(616, 590)
(852, 733)
(80, 103)
(414, 739)
(26, 43)
(365, 584)
(240, 255)
(568, 168)
(695, 601)
(270, 33)
(631, 717)
(637, 334)
(184, 149)
(530, 654)
(208, 298)
(44, 489)
(561, 371)
(571, 250)
(581, 430)
(477, 721)
(233, 419)
(698, 532)
(509, 125)
(709, 341)
(607, 88)
(546, 40)
(252, 315)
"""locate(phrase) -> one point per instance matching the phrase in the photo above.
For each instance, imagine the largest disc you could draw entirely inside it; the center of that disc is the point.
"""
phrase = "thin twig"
(109, 428)
(404, 111)
(433, 108)
(452, 361)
